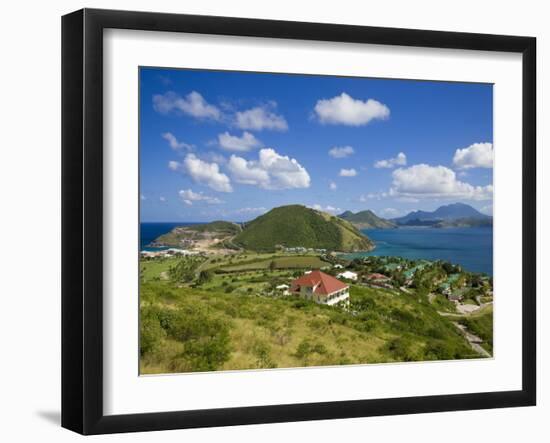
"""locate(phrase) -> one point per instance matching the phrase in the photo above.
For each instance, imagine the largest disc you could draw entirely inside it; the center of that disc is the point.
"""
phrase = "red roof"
(325, 284)
(377, 276)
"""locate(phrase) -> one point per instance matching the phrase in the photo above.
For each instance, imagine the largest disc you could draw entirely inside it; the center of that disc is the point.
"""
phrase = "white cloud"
(270, 171)
(341, 151)
(327, 208)
(188, 197)
(203, 172)
(162, 199)
(399, 160)
(244, 143)
(174, 165)
(174, 143)
(332, 186)
(348, 172)
(478, 155)
(260, 118)
(192, 104)
(346, 110)
(424, 181)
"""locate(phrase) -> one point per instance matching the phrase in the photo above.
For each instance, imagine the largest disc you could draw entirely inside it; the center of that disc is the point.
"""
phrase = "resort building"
(348, 274)
(321, 288)
(377, 279)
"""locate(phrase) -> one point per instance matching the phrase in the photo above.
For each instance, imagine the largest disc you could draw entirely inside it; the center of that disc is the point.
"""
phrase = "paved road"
(473, 339)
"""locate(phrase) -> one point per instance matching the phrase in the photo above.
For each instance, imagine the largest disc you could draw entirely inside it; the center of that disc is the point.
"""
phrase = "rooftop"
(324, 284)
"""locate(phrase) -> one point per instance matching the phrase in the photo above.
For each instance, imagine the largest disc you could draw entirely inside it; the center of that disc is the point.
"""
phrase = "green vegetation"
(298, 226)
(230, 321)
(185, 269)
(225, 311)
(367, 220)
(218, 226)
(283, 262)
(481, 324)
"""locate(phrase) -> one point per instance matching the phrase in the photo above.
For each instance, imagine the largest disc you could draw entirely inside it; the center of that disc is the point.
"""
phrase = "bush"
(262, 353)
(306, 348)
(400, 349)
(151, 332)
(205, 277)
(205, 339)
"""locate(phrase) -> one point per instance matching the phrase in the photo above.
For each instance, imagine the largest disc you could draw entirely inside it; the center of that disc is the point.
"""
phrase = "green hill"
(367, 220)
(299, 226)
(218, 226)
(184, 236)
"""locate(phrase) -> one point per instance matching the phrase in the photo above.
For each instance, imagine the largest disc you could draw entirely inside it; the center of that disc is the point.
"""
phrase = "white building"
(283, 289)
(348, 274)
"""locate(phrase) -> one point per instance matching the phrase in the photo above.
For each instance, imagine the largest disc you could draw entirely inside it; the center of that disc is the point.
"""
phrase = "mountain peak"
(366, 220)
(451, 211)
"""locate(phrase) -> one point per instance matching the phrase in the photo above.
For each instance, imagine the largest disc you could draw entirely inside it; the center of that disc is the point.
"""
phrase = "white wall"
(30, 216)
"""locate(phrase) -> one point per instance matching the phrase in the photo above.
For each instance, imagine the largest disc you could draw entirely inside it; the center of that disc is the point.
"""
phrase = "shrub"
(400, 349)
(206, 341)
(151, 332)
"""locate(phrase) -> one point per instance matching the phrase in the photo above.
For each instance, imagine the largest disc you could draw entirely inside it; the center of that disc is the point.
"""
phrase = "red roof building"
(377, 276)
(321, 288)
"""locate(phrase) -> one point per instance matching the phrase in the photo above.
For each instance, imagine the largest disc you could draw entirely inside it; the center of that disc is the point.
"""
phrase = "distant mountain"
(295, 226)
(367, 220)
(445, 213)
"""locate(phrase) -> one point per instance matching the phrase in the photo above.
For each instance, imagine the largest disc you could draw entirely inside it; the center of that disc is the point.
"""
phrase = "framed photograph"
(269, 221)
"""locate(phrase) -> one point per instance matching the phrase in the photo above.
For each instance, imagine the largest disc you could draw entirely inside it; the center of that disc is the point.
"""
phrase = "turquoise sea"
(472, 248)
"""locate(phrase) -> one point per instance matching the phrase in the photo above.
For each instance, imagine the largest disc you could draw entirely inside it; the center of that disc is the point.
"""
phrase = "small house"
(348, 274)
(377, 279)
(321, 288)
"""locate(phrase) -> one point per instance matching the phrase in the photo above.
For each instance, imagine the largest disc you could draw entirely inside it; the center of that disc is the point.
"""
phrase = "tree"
(272, 265)
(205, 277)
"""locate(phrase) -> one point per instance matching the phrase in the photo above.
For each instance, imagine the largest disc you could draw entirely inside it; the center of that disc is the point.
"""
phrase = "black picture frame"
(82, 218)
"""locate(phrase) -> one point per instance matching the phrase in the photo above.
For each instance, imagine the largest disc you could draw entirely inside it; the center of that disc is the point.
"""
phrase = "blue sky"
(232, 145)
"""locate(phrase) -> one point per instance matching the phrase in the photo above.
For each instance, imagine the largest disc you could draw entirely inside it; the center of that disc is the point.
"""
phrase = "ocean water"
(472, 248)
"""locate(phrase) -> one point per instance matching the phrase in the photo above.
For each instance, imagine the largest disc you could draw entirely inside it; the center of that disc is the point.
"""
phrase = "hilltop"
(206, 234)
(367, 220)
(299, 226)
(448, 214)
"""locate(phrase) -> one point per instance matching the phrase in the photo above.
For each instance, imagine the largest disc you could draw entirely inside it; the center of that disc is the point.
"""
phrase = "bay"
(472, 248)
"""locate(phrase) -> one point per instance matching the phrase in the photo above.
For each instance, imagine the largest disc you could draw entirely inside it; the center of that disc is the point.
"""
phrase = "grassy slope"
(297, 225)
(259, 332)
(481, 324)
(217, 226)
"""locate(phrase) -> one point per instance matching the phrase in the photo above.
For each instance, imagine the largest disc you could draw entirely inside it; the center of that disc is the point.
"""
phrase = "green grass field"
(152, 269)
(290, 262)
